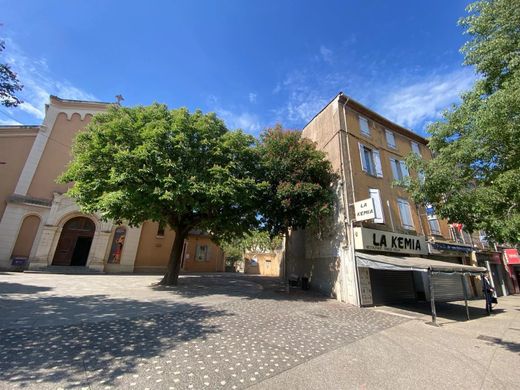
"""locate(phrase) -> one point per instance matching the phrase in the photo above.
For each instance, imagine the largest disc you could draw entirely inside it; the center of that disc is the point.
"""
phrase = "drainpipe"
(347, 206)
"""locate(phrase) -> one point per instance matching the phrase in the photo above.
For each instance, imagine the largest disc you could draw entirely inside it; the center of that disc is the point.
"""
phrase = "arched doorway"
(75, 241)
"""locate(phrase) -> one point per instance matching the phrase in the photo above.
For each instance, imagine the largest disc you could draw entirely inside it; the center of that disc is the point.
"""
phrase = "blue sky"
(255, 63)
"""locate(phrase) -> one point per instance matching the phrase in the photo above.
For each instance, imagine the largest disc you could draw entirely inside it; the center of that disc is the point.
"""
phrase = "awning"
(399, 263)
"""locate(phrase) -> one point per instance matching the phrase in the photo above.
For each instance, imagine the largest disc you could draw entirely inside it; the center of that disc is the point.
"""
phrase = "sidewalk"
(481, 353)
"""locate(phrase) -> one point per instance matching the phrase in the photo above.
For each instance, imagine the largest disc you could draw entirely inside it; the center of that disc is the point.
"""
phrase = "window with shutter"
(362, 157)
(415, 148)
(405, 214)
(377, 163)
(390, 139)
(378, 206)
(404, 169)
(363, 126)
(435, 228)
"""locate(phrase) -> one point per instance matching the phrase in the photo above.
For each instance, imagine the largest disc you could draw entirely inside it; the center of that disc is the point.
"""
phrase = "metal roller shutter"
(391, 286)
(448, 287)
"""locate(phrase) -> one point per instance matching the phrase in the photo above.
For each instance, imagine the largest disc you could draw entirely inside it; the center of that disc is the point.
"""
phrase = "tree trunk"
(174, 265)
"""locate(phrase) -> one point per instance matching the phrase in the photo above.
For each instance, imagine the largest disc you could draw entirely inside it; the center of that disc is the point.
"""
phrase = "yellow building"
(368, 151)
(40, 224)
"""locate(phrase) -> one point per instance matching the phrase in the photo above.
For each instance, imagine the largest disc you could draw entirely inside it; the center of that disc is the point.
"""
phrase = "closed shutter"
(375, 195)
(448, 287)
(404, 169)
(377, 163)
(391, 286)
(362, 156)
(395, 172)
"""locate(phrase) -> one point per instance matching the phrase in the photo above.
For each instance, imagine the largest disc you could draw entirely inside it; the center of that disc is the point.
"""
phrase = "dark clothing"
(488, 293)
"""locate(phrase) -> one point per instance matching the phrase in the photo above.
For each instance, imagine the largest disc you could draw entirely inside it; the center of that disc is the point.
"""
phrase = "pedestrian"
(488, 293)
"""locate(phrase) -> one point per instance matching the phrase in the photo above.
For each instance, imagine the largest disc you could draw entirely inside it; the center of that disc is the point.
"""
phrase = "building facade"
(40, 225)
(361, 261)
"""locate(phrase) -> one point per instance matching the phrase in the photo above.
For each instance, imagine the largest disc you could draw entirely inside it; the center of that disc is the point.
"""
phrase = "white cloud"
(326, 54)
(39, 82)
(422, 101)
(243, 120)
(4, 122)
(252, 97)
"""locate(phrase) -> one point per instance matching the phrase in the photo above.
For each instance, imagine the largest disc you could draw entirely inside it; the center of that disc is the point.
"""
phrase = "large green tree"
(181, 169)
(300, 177)
(474, 176)
(9, 83)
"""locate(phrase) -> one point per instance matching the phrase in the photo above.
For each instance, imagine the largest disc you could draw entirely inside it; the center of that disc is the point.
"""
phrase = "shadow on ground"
(78, 354)
(239, 286)
(452, 311)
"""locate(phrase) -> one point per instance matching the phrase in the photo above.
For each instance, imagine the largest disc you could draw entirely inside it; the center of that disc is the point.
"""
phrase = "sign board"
(19, 261)
(365, 209)
(379, 240)
(512, 256)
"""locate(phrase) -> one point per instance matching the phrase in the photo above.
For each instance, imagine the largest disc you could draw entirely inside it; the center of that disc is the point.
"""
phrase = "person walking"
(488, 293)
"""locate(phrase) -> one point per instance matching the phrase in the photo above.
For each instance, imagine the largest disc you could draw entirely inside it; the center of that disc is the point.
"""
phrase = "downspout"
(350, 220)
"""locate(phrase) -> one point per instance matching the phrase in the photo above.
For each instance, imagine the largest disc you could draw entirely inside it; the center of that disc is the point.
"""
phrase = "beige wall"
(56, 156)
(15, 145)
(26, 235)
(153, 252)
(268, 264)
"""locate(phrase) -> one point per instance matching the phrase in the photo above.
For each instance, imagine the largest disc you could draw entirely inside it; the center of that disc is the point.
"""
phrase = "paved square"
(214, 331)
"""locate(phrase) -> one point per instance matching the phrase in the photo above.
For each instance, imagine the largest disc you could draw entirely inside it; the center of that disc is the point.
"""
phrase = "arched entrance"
(75, 241)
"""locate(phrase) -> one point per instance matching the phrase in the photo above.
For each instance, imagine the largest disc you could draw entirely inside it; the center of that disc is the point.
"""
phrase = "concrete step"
(72, 270)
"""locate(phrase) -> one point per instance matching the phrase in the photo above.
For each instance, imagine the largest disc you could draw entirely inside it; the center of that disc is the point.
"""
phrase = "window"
(435, 228)
(390, 139)
(363, 126)
(415, 148)
(399, 169)
(201, 253)
(405, 214)
(370, 161)
(160, 230)
(378, 207)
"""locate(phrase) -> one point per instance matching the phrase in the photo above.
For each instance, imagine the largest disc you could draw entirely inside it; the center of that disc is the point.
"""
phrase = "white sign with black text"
(379, 240)
(365, 209)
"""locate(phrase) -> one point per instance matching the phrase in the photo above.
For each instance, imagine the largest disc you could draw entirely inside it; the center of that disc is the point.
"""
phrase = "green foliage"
(300, 181)
(9, 84)
(171, 166)
(474, 177)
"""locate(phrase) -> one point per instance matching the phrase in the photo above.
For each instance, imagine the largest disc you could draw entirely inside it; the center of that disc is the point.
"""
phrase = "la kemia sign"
(365, 209)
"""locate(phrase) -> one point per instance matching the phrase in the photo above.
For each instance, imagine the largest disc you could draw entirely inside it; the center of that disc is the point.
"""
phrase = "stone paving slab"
(195, 343)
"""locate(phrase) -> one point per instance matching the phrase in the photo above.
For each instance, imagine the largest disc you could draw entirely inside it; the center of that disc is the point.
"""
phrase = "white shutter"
(415, 148)
(377, 163)
(378, 206)
(363, 125)
(362, 156)
(395, 172)
(390, 138)
(404, 169)
(405, 213)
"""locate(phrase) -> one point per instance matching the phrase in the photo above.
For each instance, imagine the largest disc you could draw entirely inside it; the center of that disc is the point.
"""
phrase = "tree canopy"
(474, 176)
(9, 83)
(181, 169)
(299, 181)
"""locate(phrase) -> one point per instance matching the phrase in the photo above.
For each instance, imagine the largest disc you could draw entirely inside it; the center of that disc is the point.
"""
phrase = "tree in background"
(300, 181)
(255, 240)
(9, 84)
(474, 176)
(181, 169)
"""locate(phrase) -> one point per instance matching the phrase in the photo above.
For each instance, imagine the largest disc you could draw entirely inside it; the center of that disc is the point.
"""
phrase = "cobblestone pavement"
(252, 335)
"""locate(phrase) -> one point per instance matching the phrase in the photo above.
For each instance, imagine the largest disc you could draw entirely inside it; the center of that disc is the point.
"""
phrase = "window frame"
(404, 202)
(364, 120)
(392, 134)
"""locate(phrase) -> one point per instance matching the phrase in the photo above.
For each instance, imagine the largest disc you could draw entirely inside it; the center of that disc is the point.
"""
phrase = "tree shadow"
(452, 311)
(241, 286)
(18, 288)
(509, 345)
(99, 350)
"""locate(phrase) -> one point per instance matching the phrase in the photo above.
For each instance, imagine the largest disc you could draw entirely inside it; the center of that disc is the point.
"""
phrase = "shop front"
(512, 260)
(493, 262)
(381, 284)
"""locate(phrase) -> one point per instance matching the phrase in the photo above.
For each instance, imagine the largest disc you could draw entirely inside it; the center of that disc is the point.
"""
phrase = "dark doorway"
(75, 241)
(81, 250)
